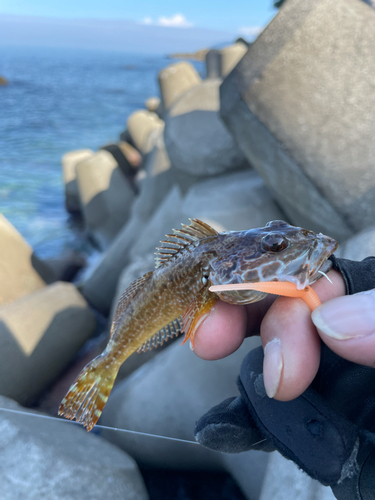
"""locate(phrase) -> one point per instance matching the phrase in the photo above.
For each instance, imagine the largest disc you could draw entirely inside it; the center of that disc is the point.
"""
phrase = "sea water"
(59, 100)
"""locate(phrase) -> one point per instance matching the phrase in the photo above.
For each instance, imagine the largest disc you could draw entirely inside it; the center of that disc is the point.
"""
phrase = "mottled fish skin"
(190, 261)
(243, 258)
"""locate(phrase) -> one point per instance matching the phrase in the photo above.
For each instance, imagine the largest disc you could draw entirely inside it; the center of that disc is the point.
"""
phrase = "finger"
(347, 326)
(222, 332)
(291, 342)
(226, 326)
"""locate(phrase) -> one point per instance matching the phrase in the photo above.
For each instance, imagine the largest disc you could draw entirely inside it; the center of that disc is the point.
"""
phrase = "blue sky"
(219, 15)
(136, 26)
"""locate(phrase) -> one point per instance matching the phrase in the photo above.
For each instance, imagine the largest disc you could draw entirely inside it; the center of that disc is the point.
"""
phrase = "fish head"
(276, 252)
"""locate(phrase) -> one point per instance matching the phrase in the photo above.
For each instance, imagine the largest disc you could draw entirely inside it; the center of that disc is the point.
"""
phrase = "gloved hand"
(329, 431)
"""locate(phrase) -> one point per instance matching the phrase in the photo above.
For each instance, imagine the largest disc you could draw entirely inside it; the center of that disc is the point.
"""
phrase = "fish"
(176, 296)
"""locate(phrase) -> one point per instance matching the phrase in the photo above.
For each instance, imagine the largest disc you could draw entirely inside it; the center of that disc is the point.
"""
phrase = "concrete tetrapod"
(18, 273)
(106, 196)
(44, 459)
(230, 56)
(100, 286)
(175, 80)
(69, 163)
(298, 105)
(195, 137)
(39, 336)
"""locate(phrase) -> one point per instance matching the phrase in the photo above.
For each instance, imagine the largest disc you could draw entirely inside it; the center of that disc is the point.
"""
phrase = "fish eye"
(204, 279)
(274, 242)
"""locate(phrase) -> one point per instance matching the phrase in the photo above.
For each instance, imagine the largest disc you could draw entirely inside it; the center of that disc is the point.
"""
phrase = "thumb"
(347, 326)
(229, 428)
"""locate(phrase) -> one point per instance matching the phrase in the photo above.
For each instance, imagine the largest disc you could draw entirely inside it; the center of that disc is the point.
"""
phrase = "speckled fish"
(191, 260)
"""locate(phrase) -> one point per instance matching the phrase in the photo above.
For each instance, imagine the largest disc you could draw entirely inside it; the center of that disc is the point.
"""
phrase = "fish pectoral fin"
(197, 312)
(173, 329)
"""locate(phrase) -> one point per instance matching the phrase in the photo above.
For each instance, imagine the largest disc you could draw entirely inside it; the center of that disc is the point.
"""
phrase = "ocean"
(59, 100)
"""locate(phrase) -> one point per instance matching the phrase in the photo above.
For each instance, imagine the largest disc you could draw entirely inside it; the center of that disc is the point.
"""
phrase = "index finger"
(291, 342)
(226, 327)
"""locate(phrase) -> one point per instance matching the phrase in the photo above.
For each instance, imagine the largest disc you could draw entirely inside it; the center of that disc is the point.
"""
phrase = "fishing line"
(106, 427)
(97, 426)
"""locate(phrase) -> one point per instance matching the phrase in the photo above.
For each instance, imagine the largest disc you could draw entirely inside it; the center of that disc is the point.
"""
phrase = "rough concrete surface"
(196, 139)
(39, 335)
(166, 396)
(18, 276)
(235, 201)
(54, 460)
(285, 481)
(106, 196)
(175, 80)
(303, 117)
(69, 162)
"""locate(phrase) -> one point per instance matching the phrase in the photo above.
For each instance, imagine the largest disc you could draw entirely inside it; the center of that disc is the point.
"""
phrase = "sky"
(149, 25)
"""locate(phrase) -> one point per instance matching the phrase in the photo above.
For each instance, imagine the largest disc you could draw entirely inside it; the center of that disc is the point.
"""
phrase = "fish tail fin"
(87, 397)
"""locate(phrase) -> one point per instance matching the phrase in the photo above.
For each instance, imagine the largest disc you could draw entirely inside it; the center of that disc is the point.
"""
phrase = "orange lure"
(283, 288)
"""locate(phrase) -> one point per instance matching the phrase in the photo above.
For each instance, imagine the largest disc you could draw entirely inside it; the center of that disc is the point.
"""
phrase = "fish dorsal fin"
(181, 238)
(127, 296)
(173, 329)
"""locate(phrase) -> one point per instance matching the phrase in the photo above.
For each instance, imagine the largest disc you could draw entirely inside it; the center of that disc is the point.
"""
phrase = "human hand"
(290, 334)
(340, 402)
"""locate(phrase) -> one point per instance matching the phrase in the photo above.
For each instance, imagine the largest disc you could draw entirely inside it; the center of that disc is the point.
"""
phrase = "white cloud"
(175, 21)
(250, 31)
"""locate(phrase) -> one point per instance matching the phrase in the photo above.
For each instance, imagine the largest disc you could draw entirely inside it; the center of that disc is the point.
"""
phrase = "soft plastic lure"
(180, 292)
(277, 288)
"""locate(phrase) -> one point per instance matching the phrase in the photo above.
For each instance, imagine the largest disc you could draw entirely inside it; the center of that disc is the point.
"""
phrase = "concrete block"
(298, 105)
(118, 153)
(44, 459)
(141, 124)
(196, 139)
(106, 196)
(359, 246)
(248, 469)
(233, 201)
(64, 267)
(167, 216)
(39, 336)
(100, 286)
(131, 154)
(157, 161)
(166, 397)
(175, 80)
(230, 56)
(152, 104)
(213, 64)
(284, 480)
(69, 162)
(18, 276)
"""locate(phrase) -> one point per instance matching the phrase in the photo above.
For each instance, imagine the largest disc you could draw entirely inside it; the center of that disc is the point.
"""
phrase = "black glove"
(329, 431)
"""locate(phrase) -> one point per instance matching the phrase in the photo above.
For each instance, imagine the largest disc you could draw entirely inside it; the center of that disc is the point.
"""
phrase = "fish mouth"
(324, 269)
(319, 263)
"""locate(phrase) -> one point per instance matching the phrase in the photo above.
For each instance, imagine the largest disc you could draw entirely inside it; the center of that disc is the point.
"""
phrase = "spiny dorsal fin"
(173, 329)
(127, 296)
(181, 238)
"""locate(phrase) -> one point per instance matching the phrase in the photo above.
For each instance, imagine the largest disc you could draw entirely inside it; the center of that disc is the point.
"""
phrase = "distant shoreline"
(199, 55)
